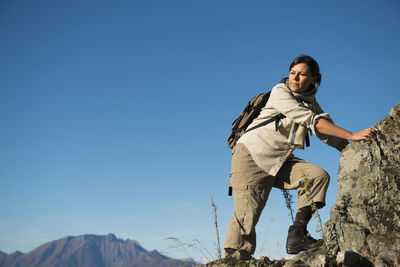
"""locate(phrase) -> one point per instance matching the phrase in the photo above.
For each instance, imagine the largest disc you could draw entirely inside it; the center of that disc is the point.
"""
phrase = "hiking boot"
(299, 240)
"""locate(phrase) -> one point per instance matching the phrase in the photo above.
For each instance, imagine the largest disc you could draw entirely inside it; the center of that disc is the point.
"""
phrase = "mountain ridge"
(90, 250)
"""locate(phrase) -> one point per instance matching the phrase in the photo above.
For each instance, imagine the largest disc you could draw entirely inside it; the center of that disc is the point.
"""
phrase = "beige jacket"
(269, 148)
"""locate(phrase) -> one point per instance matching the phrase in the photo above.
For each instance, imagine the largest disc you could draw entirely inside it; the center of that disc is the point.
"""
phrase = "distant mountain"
(90, 251)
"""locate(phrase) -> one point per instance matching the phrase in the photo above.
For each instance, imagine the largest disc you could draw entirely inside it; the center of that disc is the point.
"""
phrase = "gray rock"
(366, 216)
(349, 258)
(315, 257)
(232, 262)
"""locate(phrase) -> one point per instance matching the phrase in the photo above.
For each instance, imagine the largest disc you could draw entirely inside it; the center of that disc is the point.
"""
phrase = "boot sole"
(294, 250)
(300, 248)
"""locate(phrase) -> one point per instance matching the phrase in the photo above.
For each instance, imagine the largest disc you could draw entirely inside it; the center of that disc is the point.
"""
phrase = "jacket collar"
(307, 96)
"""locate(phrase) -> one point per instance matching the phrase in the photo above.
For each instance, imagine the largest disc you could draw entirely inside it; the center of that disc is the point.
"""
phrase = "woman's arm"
(326, 127)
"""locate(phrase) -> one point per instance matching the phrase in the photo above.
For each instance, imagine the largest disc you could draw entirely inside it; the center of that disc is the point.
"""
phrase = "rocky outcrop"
(366, 216)
(364, 225)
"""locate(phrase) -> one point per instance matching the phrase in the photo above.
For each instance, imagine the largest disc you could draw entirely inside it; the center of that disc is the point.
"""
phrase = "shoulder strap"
(277, 118)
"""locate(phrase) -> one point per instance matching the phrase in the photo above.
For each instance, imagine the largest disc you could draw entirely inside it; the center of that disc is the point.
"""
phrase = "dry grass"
(216, 227)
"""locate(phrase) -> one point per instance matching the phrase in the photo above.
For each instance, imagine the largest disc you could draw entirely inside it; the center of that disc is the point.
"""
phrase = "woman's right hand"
(366, 134)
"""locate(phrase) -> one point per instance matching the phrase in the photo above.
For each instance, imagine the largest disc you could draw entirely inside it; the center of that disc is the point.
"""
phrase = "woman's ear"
(314, 81)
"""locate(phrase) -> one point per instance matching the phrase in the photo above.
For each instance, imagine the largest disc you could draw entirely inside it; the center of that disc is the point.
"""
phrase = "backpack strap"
(230, 191)
(277, 118)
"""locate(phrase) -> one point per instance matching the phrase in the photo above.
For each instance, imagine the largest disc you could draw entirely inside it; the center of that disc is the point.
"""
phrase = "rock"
(313, 257)
(351, 258)
(232, 262)
(366, 216)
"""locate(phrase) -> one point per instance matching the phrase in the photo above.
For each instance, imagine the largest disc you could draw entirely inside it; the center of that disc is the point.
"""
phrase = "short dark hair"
(312, 64)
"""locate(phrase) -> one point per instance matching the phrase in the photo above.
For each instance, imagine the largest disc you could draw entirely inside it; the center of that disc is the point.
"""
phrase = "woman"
(263, 159)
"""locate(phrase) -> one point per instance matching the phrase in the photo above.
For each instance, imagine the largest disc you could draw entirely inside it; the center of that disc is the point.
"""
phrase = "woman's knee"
(321, 175)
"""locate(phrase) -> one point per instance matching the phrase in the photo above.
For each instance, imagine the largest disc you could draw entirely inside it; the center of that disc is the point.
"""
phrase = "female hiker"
(262, 159)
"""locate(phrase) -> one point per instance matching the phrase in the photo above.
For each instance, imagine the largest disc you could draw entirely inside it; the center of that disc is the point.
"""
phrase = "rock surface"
(364, 225)
(366, 216)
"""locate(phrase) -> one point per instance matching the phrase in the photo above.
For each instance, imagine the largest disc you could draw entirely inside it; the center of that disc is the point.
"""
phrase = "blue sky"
(114, 114)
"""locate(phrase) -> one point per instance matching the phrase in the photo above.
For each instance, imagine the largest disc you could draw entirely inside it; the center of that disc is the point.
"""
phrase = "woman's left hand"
(366, 134)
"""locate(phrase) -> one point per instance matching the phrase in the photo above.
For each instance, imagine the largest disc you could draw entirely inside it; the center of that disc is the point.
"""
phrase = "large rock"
(366, 216)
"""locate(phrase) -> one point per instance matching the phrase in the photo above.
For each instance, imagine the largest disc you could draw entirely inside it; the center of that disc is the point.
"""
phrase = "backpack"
(246, 117)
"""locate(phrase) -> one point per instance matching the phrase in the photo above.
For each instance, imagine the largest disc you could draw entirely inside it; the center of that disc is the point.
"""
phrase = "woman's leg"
(251, 187)
(312, 183)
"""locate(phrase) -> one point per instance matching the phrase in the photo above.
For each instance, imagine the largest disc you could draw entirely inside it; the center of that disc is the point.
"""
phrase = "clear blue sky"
(114, 114)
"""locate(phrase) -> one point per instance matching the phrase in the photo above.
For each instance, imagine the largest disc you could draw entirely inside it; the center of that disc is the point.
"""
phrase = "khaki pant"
(251, 187)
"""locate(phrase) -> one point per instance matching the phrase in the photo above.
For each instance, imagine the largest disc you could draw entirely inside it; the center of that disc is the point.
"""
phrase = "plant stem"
(216, 227)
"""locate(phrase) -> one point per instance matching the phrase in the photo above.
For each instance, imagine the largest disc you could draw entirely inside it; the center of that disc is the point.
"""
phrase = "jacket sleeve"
(285, 103)
(328, 139)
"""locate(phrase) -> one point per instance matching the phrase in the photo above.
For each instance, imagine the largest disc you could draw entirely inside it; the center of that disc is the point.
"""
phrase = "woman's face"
(300, 78)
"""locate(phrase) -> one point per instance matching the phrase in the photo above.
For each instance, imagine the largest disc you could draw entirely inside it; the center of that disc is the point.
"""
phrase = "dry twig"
(216, 227)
